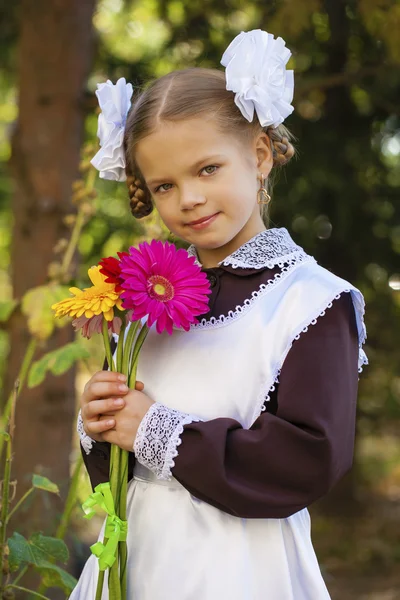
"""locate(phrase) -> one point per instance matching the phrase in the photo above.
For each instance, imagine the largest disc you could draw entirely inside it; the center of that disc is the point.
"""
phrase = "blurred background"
(339, 200)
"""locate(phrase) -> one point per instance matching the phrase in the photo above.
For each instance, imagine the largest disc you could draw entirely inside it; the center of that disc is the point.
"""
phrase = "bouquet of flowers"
(153, 285)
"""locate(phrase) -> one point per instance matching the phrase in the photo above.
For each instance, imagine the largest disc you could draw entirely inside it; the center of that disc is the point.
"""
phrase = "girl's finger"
(103, 389)
(92, 410)
(139, 386)
(108, 376)
(96, 427)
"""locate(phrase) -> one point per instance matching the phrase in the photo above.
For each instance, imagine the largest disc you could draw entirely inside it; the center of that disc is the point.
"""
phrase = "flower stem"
(107, 345)
(120, 347)
(122, 512)
(26, 363)
(130, 336)
(114, 587)
(100, 583)
(139, 343)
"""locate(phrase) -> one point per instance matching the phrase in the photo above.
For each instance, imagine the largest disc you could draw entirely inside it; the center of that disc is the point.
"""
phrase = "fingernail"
(122, 377)
(110, 423)
(118, 402)
(123, 388)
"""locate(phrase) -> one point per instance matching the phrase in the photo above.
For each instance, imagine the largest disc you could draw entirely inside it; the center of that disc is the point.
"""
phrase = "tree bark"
(54, 58)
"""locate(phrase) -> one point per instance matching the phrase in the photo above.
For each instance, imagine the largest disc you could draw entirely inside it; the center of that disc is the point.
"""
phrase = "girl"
(245, 420)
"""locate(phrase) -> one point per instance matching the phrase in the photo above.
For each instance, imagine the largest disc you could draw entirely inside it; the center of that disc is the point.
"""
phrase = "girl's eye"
(161, 186)
(210, 167)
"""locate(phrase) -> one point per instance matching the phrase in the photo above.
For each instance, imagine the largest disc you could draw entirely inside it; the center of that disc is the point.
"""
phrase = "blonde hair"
(184, 94)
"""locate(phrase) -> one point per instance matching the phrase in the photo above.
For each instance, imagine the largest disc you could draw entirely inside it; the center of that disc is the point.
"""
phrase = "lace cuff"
(158, 437)
(86, 441)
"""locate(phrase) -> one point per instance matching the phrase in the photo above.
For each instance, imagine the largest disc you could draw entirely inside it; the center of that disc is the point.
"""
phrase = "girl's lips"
(205, 223)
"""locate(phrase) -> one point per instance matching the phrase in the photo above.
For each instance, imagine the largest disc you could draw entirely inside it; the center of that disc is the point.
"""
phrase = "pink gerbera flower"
(165, 284)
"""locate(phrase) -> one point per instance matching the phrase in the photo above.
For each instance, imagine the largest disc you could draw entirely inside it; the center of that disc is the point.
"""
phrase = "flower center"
(159, 288)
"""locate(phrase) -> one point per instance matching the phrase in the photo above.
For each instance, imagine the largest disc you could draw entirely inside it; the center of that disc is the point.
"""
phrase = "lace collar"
(267, 249)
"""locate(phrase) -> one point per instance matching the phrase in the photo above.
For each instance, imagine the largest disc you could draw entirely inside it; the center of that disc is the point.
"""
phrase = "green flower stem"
(107, 345)
(114, 468)
(26, 363)
(20, 501)
(123, 550)
(113, 581)
(120, 346)
(114, 587)
(100, 583)
(130, 336)
(4, 504)
(139, 343)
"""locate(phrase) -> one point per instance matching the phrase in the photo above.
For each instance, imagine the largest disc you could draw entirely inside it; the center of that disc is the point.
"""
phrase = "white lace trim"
(158, 438)
(265, 394)
(268, 249)
(86, 441)
(249, 302)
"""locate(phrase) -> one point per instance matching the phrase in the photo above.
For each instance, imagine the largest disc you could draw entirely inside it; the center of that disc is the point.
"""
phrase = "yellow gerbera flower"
(98, 299)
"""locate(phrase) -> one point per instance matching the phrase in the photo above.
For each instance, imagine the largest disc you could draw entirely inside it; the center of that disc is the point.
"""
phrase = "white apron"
(181, 548)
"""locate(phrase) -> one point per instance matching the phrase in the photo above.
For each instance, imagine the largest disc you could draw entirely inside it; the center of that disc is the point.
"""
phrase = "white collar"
(267, 249)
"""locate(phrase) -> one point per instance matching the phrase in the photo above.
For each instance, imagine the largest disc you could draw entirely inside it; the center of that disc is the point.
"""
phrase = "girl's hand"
(103, 396)
(127, 420)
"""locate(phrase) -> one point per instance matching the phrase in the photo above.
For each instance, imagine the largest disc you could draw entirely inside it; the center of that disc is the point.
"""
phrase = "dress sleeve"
(289, 459)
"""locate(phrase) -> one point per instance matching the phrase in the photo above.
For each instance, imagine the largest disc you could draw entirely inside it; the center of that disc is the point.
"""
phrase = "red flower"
(111, 268)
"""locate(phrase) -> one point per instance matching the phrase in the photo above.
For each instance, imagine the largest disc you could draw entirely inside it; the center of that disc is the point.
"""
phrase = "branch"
(337, 79)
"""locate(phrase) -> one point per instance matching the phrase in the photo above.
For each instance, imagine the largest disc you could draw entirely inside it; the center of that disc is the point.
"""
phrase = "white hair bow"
(256, 70)
(114, 101)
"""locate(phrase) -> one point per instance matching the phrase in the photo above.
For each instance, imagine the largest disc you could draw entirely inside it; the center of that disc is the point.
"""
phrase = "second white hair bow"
(114, 101)
(256, 71)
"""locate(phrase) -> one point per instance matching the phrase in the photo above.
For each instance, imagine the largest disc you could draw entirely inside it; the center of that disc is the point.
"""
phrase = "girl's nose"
(190, 197)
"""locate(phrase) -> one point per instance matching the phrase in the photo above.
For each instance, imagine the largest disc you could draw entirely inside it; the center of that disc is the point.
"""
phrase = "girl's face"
(193, 171)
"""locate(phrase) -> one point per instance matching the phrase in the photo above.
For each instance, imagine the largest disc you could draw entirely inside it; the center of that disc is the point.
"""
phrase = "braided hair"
(185, 94)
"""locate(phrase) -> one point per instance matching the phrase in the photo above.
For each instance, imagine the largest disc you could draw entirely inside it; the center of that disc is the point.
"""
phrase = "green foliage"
(36, 306)
(42, 483)
(6, 309)
(57, 362)
(38, 551)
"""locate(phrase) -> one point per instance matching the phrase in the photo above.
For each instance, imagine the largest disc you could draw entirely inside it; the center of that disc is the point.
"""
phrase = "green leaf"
(5, 435)
(53, 576)
(50, 546)
(42, 483)
(37, 551)
(36, 306)
(6, 309)
(67, 356)
(38, 370)
(57, 362)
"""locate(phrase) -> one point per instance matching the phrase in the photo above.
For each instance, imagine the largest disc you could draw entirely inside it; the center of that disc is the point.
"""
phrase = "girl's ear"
(263, 148)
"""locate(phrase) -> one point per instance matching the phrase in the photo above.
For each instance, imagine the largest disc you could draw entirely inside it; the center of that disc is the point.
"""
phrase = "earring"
(262, 195)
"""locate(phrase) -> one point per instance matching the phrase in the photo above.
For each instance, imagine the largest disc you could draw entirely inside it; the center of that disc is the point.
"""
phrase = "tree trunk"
(55, 56)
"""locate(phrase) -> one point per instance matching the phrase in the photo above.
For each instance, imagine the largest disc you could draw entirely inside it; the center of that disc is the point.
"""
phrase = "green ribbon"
(116, 530)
